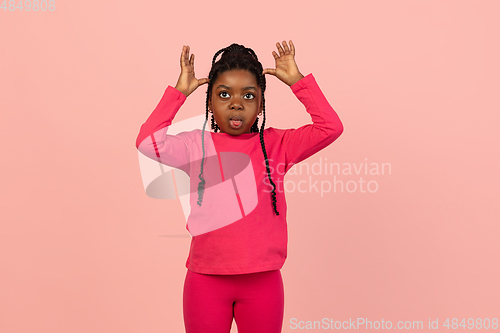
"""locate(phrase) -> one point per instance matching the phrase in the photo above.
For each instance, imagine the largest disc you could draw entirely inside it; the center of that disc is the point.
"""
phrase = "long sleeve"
(153, 140)
(306, 140)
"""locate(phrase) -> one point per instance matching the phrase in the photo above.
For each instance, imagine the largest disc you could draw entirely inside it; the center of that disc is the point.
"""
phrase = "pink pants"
(255, 300)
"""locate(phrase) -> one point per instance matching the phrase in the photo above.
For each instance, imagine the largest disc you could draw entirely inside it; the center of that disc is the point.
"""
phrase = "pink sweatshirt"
(235, 230)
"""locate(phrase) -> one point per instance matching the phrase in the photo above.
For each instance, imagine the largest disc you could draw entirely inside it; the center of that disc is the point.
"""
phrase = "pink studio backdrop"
(84, 249)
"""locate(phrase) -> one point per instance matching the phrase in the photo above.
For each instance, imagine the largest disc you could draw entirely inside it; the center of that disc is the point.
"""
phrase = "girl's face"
(236, 101)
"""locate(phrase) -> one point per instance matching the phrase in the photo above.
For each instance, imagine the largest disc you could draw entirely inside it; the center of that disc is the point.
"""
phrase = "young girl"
(238, 214)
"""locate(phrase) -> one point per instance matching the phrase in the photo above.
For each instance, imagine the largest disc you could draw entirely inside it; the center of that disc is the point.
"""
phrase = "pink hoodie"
(235, 230)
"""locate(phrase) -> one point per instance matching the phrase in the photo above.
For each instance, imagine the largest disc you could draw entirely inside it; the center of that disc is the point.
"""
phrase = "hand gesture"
(286, 68)
(187, 82)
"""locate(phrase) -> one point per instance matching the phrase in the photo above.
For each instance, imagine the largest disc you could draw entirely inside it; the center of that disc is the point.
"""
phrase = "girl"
(238, 214)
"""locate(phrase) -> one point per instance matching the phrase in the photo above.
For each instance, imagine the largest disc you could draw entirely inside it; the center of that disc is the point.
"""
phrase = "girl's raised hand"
(286, 69)
(187, 82)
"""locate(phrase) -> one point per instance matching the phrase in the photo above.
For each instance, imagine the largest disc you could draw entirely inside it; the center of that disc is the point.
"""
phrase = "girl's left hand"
(286, 68)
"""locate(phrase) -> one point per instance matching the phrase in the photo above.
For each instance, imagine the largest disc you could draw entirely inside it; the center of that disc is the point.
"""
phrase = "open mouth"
(235, 122)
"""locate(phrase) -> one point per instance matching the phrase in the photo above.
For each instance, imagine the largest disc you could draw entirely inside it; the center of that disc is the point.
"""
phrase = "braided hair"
(236, 56)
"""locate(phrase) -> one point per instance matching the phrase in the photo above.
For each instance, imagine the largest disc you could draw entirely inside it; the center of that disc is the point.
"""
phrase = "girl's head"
(240, 67)
(235, 101)
(235, 98)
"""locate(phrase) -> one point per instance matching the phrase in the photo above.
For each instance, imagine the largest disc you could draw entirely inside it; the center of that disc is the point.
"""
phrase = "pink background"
(83, 249)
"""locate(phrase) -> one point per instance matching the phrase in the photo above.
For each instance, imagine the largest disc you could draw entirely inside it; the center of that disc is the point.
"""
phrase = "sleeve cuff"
(302, 83)
(175, 93)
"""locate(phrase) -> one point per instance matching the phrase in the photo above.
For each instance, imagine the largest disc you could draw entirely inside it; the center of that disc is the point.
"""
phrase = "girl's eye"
(222, 93)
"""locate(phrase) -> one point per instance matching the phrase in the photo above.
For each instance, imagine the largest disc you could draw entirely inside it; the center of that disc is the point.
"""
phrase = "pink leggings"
(255, 300)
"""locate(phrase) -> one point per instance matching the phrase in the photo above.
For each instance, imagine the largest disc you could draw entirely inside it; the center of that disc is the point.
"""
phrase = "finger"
(292, 48)
(182, 56)
(185, 55)
(280, 49)
(285, 45)
(202, 81)
(270, 71)
(275, 55)
(191, 61)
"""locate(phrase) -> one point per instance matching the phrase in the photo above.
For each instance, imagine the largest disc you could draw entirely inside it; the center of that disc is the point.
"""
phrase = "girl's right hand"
(187, 82)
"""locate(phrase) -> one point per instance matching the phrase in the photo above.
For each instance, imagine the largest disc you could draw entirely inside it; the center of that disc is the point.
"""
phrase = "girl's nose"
(236, 104)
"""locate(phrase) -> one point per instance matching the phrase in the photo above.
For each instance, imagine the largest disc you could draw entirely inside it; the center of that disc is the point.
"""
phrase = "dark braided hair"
(236, 56)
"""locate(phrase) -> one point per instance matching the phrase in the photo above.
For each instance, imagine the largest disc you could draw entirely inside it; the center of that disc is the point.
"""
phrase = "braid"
(255, 126)
(219, 52)
(215, 127)
(273, 194)
(254, 55)
(201, 184)
(236, 56)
